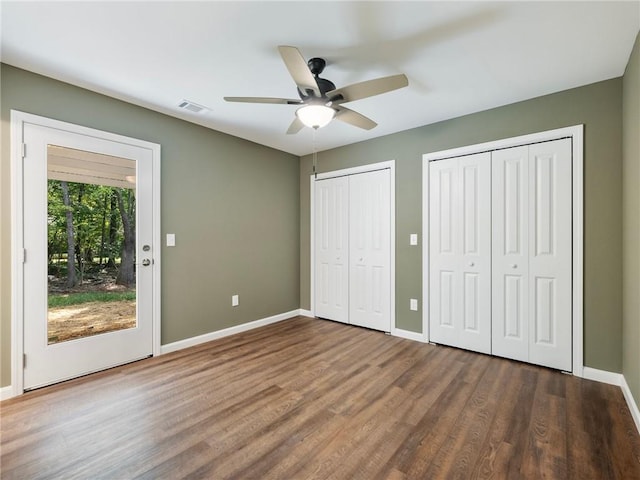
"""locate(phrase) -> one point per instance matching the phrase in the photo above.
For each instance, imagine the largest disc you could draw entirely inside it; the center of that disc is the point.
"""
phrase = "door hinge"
(24, 360)
(24, 150)
(24, 255)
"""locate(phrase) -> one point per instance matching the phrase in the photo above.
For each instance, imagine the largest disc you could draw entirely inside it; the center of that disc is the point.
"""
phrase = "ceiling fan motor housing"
(324, 86)
(316, 66)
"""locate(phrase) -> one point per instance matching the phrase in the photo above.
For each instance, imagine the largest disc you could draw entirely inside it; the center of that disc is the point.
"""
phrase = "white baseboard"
(6, 392)
(633, 406)
(409, 335)
(618, 380)
(602, 376)
(306, 313)
(207, 337)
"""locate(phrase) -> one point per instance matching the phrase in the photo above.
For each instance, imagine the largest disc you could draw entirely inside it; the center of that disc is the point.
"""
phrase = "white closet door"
(550, 254)
(332, 249)
(510, 267)
(460, 252)
(443, 249)
(475, 233)
(532, 253)
(370, 250)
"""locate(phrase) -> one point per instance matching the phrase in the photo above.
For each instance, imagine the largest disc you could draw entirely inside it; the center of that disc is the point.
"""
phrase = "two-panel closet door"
(460, 252)
(353, 249)
(532, 285)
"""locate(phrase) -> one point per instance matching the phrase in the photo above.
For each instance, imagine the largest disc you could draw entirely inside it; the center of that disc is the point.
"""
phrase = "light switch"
(413, 304)
(171, 239)
(413, 239)
(235, 300)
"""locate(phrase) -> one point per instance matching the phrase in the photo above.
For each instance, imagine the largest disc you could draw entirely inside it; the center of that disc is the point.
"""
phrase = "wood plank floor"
(312, 399)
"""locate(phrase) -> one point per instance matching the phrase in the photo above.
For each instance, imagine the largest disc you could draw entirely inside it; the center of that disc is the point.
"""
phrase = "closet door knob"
(471, 264)
(514, 265)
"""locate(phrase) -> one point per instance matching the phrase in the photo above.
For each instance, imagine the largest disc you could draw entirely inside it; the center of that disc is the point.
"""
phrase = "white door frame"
(18, 120)
(576, 133)
(372, 167)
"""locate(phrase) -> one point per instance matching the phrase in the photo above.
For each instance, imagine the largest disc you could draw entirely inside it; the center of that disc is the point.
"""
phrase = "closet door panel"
(550, 256)
(370, 250)
(331, 249)
(510, 259)
(444, 253)
(514, 315)
(475, 253)
(460, 252)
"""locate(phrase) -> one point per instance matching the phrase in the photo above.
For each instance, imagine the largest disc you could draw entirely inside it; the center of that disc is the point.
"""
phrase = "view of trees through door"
(91, 245)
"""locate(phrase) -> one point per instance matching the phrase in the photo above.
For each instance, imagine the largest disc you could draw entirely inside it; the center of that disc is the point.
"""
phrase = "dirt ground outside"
(92, 318)
(71, 322)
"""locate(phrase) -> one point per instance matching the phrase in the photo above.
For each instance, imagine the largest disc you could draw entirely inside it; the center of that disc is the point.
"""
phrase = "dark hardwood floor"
(307, 399)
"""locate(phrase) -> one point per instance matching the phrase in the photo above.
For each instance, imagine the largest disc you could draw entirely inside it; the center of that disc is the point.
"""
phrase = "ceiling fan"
(320, 101)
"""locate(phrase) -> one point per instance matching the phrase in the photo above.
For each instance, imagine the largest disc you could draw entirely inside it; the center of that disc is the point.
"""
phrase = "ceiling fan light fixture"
(315, 116)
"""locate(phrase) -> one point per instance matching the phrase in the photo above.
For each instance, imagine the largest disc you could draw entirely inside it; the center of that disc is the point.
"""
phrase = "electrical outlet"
(235, 300)
(413, 304)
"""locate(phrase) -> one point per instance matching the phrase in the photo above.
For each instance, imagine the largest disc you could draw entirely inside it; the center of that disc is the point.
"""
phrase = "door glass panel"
(91, 243)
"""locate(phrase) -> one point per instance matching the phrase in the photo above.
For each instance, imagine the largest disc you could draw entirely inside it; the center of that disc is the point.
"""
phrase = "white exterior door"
(460, 252)
(532, 283)
(510, 290)
(332, 249)
(48, 362)
(370, 250)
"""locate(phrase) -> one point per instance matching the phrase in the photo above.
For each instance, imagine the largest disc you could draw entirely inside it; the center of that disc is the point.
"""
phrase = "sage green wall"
(232, 204)
(598, 106)
(631, 223)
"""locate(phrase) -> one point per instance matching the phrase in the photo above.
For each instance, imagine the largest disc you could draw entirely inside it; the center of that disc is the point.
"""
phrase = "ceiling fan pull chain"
(315, 154)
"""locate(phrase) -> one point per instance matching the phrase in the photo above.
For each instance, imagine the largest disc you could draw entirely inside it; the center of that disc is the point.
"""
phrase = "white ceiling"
(460, 57)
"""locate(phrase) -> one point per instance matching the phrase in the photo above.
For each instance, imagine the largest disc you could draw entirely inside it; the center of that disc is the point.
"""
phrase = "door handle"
(146, 262)
(514, 265)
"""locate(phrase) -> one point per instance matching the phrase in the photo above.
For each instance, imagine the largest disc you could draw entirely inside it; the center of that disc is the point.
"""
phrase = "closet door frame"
(576, 134)
(388, 165)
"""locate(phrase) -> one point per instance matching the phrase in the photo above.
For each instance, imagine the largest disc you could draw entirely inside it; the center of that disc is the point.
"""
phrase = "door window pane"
(91, 243)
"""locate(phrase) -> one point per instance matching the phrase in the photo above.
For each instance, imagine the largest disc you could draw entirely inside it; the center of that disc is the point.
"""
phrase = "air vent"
(192, 106)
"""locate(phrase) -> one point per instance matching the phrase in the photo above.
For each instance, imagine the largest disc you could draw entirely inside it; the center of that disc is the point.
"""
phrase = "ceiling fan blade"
(299, 70)
(368, 88)
(295, 126)
(283, 101)
(351, 117)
